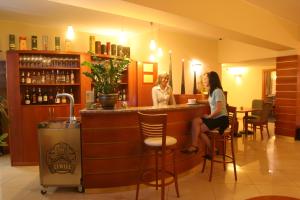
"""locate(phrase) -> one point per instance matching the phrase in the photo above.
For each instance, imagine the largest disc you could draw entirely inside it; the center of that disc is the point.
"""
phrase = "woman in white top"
(218, 117)
(162, 93)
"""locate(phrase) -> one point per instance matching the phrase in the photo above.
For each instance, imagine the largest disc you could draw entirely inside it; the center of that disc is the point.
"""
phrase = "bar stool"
(227, 136)
(153, 133)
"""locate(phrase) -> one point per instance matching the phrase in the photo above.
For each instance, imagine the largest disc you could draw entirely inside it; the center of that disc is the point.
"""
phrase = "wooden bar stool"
(226, 137)
(154, 139)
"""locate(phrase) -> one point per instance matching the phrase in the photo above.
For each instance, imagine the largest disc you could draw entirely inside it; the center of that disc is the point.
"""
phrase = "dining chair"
(257, 104)
(262, 120)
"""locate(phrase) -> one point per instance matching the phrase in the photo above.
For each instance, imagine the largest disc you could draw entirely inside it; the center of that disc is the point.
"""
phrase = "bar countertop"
(203, 103)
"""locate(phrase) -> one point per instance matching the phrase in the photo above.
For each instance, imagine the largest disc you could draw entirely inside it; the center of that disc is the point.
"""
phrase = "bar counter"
(111, 143)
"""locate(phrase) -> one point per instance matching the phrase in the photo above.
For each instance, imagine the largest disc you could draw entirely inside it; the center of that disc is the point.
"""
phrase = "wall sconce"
(237, 72)
(238, 78)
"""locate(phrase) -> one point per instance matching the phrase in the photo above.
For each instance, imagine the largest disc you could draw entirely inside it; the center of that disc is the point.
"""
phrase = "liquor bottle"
(92, 42)
(124, 96)
(45, 97)
(33, 78)
(52, 77)
(50, 97)
(33, 96)
(12, 42)
(68, 77)
(47, 78)
(45, 42)
(108, 48)
(72, 77)
(113, 50)
(57, 43)
(40, 96)
(71, 92)
(34, 42)
(23, 80)
(43, 77)
(22, 43)
(38, 78)
(120, 95)
(103, 49)
(57, 99)
(27, 100)
(97, 47)
(57, 80)
(63, 98)
(28, 78)
(63, 77)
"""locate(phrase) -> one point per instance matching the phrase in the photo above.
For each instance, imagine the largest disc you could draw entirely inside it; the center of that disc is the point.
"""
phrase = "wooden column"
(287, 101)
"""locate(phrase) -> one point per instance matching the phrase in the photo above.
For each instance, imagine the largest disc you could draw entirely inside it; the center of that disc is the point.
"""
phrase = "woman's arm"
(217, 111)
(154, 97)
(172, 98)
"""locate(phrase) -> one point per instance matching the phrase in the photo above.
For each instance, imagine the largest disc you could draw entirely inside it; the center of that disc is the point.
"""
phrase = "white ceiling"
(51, 14)
(288, 9)
(102, 16)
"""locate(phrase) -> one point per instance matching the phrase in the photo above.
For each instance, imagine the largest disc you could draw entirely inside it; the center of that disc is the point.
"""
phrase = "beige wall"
(235, 51)
(182, 45)
(250, 86)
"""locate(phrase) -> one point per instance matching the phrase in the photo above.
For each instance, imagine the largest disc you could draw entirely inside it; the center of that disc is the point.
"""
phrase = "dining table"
(246, 114)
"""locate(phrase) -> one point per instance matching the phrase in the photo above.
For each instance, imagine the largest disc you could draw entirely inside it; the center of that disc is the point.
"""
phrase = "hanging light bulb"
(152, 45)
(70, 35)
(123, 38)
(160, 52)
(152, 58)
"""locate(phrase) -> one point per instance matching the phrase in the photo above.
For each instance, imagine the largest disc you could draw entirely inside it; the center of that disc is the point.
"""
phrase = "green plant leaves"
(2, 138)
(106, 74)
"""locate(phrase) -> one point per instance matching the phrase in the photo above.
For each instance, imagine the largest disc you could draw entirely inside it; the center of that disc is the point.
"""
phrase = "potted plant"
(106, 77)
(3, 122)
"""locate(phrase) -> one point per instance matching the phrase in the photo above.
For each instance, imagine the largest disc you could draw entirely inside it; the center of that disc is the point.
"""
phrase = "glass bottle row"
(47, 61)
(45, 96)
(48, 77)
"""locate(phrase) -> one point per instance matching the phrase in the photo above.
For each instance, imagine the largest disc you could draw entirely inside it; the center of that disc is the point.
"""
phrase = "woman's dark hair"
(214, 81)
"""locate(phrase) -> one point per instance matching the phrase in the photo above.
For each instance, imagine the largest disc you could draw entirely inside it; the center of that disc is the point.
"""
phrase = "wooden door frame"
(264, 81)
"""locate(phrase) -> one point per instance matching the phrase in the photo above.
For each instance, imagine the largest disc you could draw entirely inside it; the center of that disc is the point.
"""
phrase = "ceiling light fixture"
(152, 44)
(123, 38)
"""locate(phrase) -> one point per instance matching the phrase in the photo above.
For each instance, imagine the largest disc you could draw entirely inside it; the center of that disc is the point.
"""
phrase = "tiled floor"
(271, 166)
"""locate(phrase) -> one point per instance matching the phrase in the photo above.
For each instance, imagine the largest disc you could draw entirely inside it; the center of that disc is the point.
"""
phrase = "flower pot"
(108, 101)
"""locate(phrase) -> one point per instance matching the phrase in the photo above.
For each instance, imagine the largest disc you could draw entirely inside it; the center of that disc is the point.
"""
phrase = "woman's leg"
(205, 137)
(196, 129)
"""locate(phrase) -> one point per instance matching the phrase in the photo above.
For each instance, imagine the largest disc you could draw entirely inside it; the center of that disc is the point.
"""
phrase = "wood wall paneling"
(287, 85)
(111, 148)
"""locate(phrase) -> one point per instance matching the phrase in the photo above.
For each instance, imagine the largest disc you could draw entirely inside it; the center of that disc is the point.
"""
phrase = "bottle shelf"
(49, 68)
(105, 56)
(51, 84)
(57, 104)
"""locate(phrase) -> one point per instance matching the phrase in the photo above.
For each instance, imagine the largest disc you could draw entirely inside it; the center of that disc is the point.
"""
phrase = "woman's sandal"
(190, 150)
(207, 157)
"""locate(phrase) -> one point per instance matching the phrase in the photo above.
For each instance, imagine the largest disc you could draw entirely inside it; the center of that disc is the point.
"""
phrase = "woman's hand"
(206, 116)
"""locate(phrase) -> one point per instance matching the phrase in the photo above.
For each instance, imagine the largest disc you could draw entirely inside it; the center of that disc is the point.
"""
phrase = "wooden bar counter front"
(111, 143)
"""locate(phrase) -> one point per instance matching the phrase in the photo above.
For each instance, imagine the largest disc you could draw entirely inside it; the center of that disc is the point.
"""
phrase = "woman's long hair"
(160, 77)
(214, 82)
